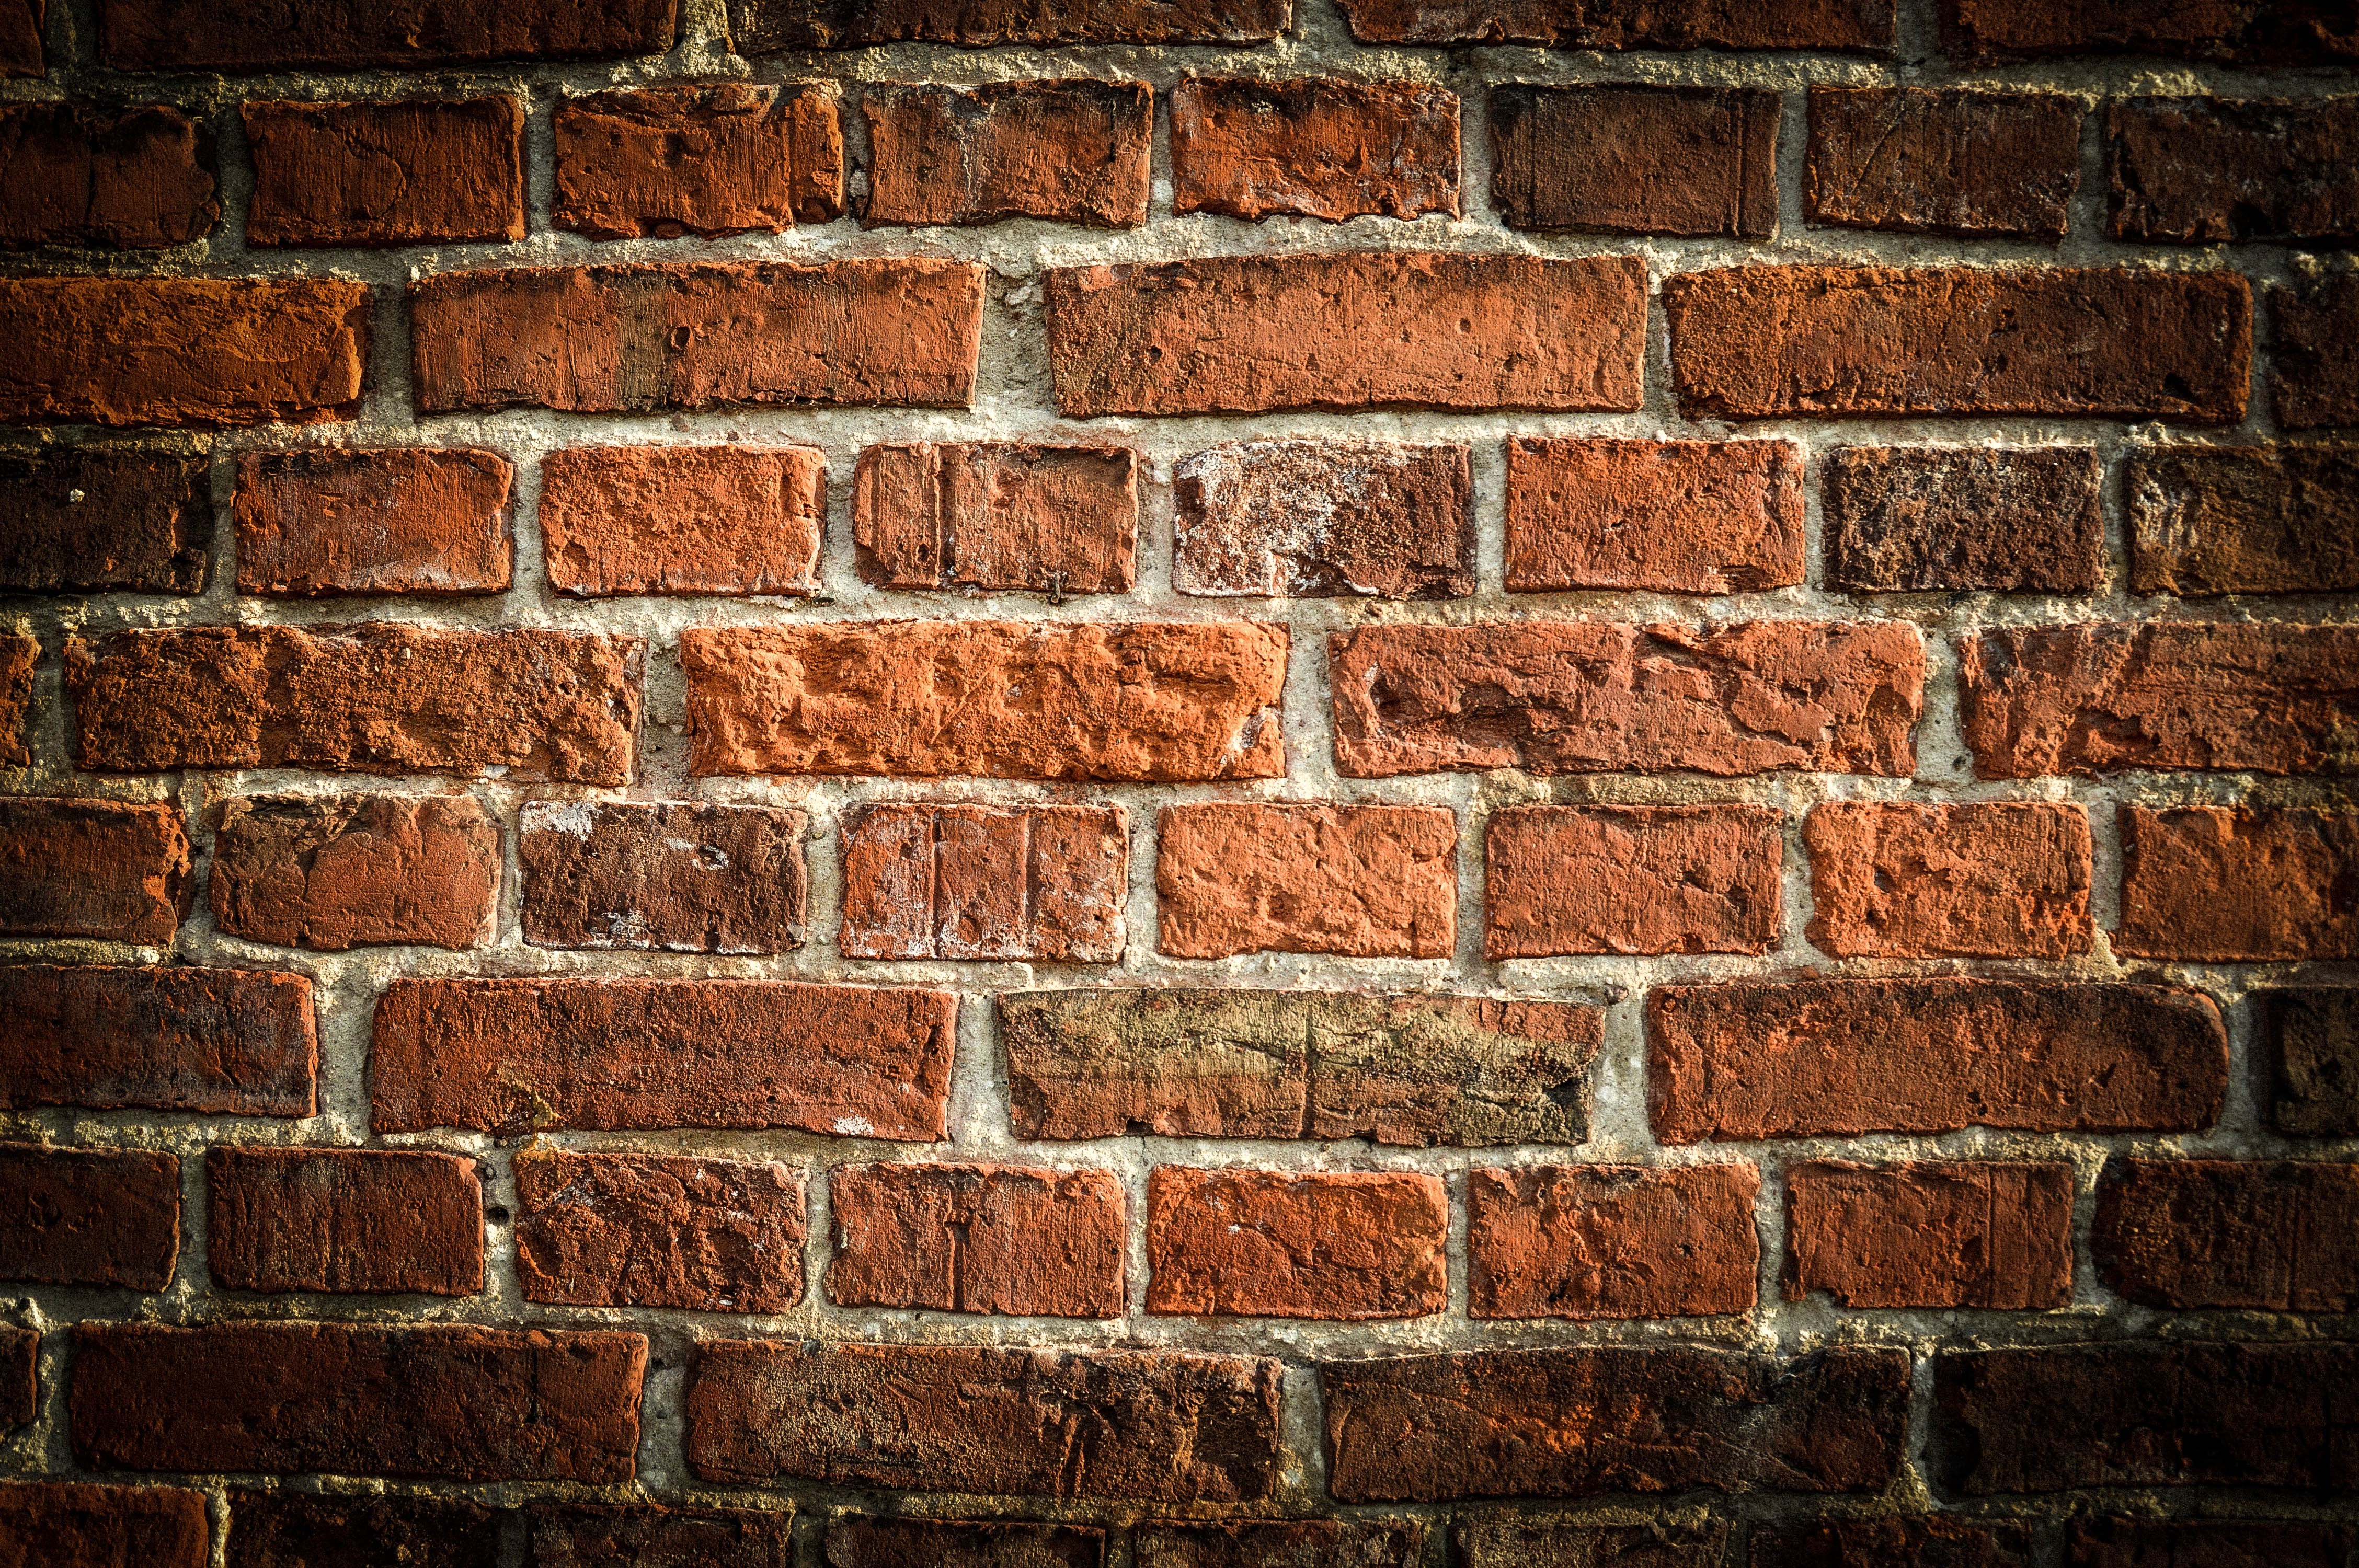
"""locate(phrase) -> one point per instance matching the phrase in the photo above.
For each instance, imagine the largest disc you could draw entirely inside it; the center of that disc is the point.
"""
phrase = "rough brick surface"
(88, 1217)
(856, 1543)
(346, 1221)
(1410, 1070)
(18, 658)
(1071, 152)
(78, 175)
(769, 26)
(1698, 161)
(1819, 1058)
(1154, 1426)
(683, 520)
(2311, 1039)
(1612, 1241)
(1933, 1540)
(20, 1377)
(1929, 519)
(409, 520)
(1522, 1541)
(230, 1042)
(1577, 697)
(2104, 1542)
(720, 159)
(99, 519)
(2276, 1236)
(1324, 519)
(674, 876)
(1985, 30)
(1918, 161)
(21, 25)
(1336, 1245)
(1016, 1240)
(281, 1530)
(2226, 882)
(982, 882)
(593, 1537)
(997, 516)
(1280, 1544)
(58, 1524)
(1855, 25)
(2275, 520)
(466, 1404)
(659, 1232)
(333, 872)
(1890, 879)
(264, 34)
(2315, 382)
(386, 174)
(1315, 147)
(1681, 516)
(1631, 879)
(2196, 169)
(94, 868)
(1930, 1233)
(529, 1055)
(1367, 880)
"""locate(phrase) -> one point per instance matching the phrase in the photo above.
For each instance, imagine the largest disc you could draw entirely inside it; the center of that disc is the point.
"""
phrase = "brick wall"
(1178, 785)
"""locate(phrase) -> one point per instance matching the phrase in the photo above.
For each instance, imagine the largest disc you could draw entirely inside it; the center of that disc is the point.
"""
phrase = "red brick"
(1581, 697)
(1837, 1058)
(79, 175)
(1338, 1245)
(18, 658)
(99, 519)
(1280, 1544)
(1755, 342)
(181, 351)
(2309, 1036)
(1631, 879)
(1181, 1062)
(94, 868)
(1612, 1241)
(659, 1232)
(59, 1524)
(518, 1054)
(1985, 30)
(329, 873)
(605, 339)
(979, 881)
(1918, 161)
(1681, 516)
(2204, 169)
(345, 1221)
(1017, 1239)
(2274, 1236)
(1930, 1233)
(1932, 1541)
(1365, 880)
(1324, 520)
(2099, 698)
(2105, 1542)
(1928, 519)
(88, 1217)
(246, 36)
(856, 1543)
(401, 173)
(1577, 1423)
(1068, 152)
(1316, 146)
(21, 24)
(1161, 1426)
(285, 1529)
(683, 520)
(2206, 521)
(1860, 25)
(407, 520)
(1249, 334)
(1619, 159)
(759, 27)
(593, 1537)
(711, 159)
(282, 1398)
(1124, 701)
(229, 1042)
(996, 516)
(1893, 880)
(373, 698)
(2315, 380)
(20, 1377)
(1524, 1541)
(674, 876)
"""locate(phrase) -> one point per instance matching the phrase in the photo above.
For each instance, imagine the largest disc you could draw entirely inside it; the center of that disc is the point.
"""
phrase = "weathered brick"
(94, 868)
(672, 876)
(2234, 882)
(1413, 1070)
(979, 881)
(345, 1221)
(244, 36)
(2310, 1038)
(1576, 1422)
(329, 873)
(281, 1399)
(1932, 1541)
(1069, 152)
(1608, 1241)
(1324, 519)
(20, 1377)
(2207, 520)
(1931, 519)
(1896, 880)
(88, 1217)
(856, 1543)
(1367, 880)
(2201, 169)
(1837, 1058)
(657, 1230)
(2296, 33)
(21, 25)
(2145, 1415)
(58, 1524)
(1863, 25)
(1631, 879)
(996, 516)
(513, 1055)
(1681, 516)
(683, 520)
(1526, 1541)
(2099, 698)
(289, 1530)
(1339, 1245)
(373, 698)
(1280, 1543)
(1582, 697)
(401, 173)
(2274, 1236)
(1249, 334)
(18, 658)
(1162, 1426)
(98, 519)
(604, 339)
(2111, 1542)
(1918, 162)
(994, 698)
(229, 1042)
(759, 27)
(1930, 1233)
(407, 520)
(713, 158)
(1755, 342)
(2314, 379)
(1621, 159)
(1314, 146)
(181, 351)
(591, 1537)
(140, 178)
(1018, 1240)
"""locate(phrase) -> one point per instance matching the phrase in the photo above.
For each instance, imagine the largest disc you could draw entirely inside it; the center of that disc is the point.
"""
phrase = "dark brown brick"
(968, 882)
(2230, 883)
(1681, 516)
(20, 1377)
(1698, 161)
(244, 35)
(2271, 1236)
(1930, 1233)
(344, 1221)
(94, 868)
(1068, 152)
(1936, 519)
(1918, 161)
(1522, 1541)
(64, 1525)
(711, 159)
(672, 876)
(1612, 1241)
(591, 1537)
(2104, 1542)
(1018, 1240)
(2203, 169)
(88, 1217)
(21, 25)
(1863, 25)
(329, 873)
(2315, 383)
(95, 519)
(683, 520)
(410, 520)
(996, 516)
(79, 175)
(229, 1042)
(660, 1231)
(2297, 33)
(1317, 146)
(2310, 1037)
(19, 657)
(856, 1543)
(288, 1529)
(1631, 879)
(1324, 520)
(760, 27)
(1934, 1541)
(2259, 520)
(403, 173)
(1280, 1544)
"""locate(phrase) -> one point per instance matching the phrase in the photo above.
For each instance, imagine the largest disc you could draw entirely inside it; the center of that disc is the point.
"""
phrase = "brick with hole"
(81, 1526)
(1713, 517)
(853, 1541)
(969, 883)
(1930, 1233)
(2269, 1236)
(88, 1217)
(683, 520)
(1012, 1241)
(1916, 161)
(1280, 1543)
(1857, 25)
(665, 876)
(996, 516)
(245, 36)
(1324, 519)
(1612, 1241)
(283, 1529)
(1984, 32)
(710, 160)
(2312, 381)
(102, 519)
(135, 179)
(2195, 170)
(653, 1231)
(1625, 160)
(1313, 146)
(396, 520)
(103, 1037)
(2205, 521)
(98, 869)
(1503, 1539)
(2111, 1542)
(1934, 519)
(335, 872)
(1068, 152)
(766, 27)
(1896, 880)
(2230, 883)
(1363, 881)
(1929, 1541)
(1346, 1245)
(20, 1377)
(344, 1221)
(2309, 1036)
(590, 1536)
(1631, 879)
(399, 173)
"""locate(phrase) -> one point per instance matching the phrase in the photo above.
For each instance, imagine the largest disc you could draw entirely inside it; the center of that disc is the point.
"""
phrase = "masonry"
(1196, 785)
